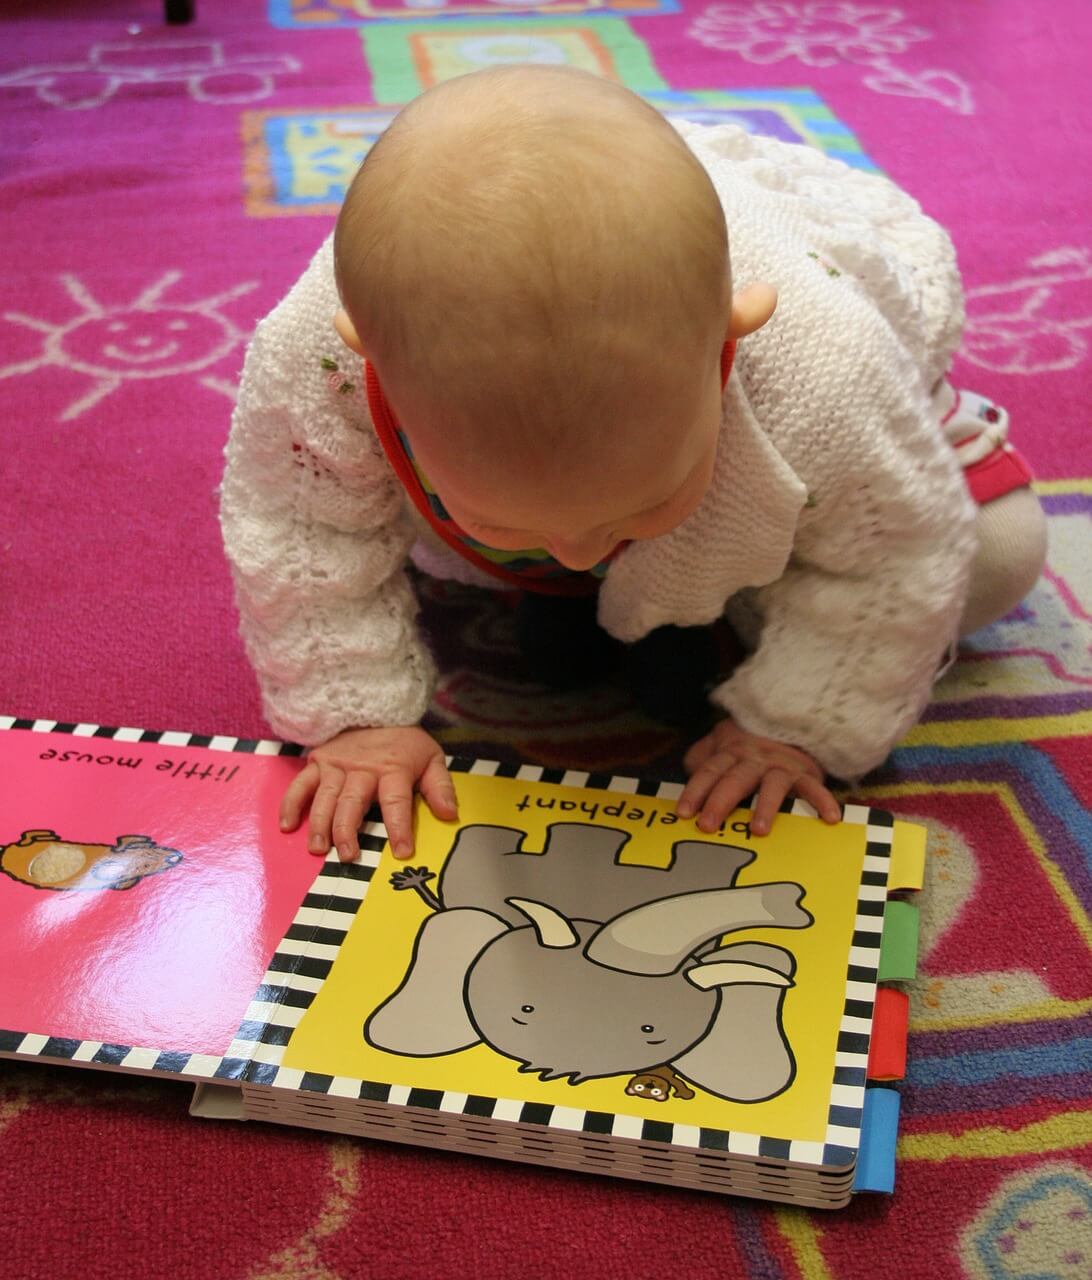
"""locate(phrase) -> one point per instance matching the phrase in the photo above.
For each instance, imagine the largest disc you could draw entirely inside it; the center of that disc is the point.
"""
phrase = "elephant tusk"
(551, 926)
(726, 973)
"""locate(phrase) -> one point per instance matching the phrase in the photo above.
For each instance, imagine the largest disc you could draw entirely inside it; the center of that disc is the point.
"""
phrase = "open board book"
(570, 975)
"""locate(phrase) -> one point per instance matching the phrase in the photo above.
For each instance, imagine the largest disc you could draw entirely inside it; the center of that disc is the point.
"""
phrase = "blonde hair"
(523, 242)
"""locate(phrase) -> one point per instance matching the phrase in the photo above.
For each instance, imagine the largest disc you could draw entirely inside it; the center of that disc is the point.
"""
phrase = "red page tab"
(887, 1053)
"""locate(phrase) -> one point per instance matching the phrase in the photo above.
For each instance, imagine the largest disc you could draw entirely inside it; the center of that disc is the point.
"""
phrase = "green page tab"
(899, 948)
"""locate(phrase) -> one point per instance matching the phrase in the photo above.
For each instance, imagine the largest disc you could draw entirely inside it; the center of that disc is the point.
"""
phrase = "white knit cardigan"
(834, 494)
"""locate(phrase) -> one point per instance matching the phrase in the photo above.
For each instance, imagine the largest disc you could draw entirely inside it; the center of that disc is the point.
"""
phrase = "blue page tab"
(879, 1129)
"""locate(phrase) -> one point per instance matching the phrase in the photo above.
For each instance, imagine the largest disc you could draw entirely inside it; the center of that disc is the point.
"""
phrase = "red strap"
(996, 474)
(727, 359)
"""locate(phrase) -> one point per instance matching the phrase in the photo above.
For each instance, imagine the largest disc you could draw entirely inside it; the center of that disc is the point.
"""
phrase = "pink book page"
(144, 887)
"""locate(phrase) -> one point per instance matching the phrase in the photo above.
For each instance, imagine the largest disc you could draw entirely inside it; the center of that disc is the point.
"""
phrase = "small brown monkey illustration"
(657, 1084)
(45, 861)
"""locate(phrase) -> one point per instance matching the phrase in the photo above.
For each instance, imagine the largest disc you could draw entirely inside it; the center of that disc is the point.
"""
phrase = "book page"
(145, 886)
(588, 949)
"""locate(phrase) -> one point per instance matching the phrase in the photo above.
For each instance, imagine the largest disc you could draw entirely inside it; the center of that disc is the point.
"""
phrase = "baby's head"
(537, 267)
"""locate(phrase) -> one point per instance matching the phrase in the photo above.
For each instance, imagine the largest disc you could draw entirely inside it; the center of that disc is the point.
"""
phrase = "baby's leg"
(1012, 545)
(1012, 535)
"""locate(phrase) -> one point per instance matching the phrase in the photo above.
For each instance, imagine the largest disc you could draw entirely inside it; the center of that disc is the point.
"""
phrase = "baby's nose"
(578, 553)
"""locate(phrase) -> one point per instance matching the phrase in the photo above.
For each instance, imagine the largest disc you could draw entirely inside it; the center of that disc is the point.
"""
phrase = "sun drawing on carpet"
(142, 339)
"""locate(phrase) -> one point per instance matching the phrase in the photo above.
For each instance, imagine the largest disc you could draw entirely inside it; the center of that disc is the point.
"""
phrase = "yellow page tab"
(907, 856)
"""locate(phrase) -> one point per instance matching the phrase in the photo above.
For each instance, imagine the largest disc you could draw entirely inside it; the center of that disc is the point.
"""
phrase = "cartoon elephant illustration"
(578, 965)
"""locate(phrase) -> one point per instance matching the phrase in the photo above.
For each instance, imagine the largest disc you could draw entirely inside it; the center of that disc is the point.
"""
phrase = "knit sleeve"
(846, 660)
(861, 224)
(316, 534)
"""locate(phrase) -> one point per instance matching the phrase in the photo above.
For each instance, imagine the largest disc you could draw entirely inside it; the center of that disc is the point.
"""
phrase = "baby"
(562, 382)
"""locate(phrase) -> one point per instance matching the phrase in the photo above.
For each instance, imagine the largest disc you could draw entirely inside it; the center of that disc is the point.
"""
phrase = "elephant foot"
(744, 1056)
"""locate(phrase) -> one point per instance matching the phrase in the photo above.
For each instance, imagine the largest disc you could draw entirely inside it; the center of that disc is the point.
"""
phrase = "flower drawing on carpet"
(1038, 1224)
(825, 34)
(135, 341)
(1037, 322)
(820, 35)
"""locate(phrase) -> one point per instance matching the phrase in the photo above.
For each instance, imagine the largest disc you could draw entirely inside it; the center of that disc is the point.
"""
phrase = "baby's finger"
(396, 802)
(772, 790)
(701, 782)
(356, 799)
(297, 796)
(820, 799)
(323, 804)
(728, 794)
(699, 753)
(438, 789)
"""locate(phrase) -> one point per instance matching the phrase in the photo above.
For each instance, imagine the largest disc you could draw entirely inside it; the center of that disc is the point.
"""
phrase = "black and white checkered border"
(302, 962)
(200, 1066)
(168, 738)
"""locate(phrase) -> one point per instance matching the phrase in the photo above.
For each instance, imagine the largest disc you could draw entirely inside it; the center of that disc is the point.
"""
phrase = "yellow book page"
(373, 962)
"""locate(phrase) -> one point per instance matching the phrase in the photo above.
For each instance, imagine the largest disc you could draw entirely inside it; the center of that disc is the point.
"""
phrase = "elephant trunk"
(658, 937)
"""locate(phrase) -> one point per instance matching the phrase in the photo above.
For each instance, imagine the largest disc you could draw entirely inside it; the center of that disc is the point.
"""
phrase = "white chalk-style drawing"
(207, 71)
(820, 35)
(143, 339)
(944, 87)
(826, 34)
(1037, 323)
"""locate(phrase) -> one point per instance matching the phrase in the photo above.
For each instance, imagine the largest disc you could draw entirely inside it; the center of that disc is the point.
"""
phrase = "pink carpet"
(160, 188)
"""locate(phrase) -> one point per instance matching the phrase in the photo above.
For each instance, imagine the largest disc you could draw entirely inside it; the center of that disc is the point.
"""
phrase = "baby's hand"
(344, 776)
(729, 764)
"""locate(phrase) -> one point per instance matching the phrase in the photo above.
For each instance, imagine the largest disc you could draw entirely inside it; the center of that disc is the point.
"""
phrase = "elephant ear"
(426, 1016)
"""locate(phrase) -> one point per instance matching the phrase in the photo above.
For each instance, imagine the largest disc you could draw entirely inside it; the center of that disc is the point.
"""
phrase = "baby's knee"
(1012, 546)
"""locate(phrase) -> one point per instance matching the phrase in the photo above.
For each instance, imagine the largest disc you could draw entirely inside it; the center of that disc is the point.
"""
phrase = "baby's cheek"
(642, 530)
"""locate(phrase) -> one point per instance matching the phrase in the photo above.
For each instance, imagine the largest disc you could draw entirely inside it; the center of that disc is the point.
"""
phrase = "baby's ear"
(346, 331)
(752, 306)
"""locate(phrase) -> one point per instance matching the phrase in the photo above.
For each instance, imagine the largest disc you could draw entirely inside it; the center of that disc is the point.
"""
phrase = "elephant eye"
(647, 1029)
(527, 1008)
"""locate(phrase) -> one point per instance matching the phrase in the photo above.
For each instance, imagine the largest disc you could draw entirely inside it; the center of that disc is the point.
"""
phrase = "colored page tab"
(907, 856)
(879, 1129)
(899, 948)
(887, 1050)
